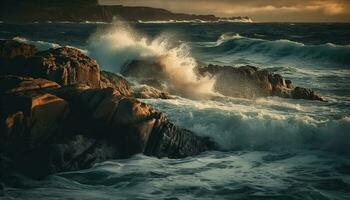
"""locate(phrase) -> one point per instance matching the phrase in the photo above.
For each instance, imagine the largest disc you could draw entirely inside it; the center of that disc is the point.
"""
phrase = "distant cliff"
(90, 10)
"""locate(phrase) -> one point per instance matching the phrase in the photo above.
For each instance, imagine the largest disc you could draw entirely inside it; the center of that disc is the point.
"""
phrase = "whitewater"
(269, 148)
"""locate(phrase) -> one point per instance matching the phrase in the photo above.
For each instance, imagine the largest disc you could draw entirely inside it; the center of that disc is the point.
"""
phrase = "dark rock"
(303, 93)
(76, 153)
(14, 84)
(29, 120)
(250, 82)
(245, 81)
(144, 69)
(12, 49)
(116, 82)
(168, 140)
(289, 84)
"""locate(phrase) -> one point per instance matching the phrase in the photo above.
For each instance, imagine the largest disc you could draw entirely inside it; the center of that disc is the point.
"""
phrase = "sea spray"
(119, 44)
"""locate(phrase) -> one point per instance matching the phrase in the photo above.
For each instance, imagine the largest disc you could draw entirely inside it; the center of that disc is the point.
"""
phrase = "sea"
(269, 148)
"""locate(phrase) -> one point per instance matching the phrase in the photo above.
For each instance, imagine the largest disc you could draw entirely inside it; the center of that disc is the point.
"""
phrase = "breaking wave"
(115, 47)
(262, 124)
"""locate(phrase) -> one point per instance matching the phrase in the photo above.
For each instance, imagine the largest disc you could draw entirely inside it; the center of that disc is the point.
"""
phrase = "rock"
(303, 93)
(66, 66)
(116, 82)
(126, 122)
(75, 153)
(289, 84)
(12, 49)
(245, 82)
(14, 84)
(148, 92)
(168, 140)
(250, 82)
(29, 120)
(144, 69)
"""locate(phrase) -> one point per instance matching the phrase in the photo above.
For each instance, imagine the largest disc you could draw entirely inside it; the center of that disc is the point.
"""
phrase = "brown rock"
(12, 49)
(132, 111)
(148, 92)
(31, 119)
(116, 82)
(66, 66)
(14, 84)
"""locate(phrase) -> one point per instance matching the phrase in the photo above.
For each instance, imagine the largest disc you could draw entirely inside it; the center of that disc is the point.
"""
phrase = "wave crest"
(114, 47)
(233, 43)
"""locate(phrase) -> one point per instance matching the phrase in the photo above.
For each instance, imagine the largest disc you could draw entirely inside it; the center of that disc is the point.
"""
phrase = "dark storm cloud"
(259, 10)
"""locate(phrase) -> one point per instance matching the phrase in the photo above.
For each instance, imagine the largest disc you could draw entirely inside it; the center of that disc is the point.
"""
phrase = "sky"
(258, 10)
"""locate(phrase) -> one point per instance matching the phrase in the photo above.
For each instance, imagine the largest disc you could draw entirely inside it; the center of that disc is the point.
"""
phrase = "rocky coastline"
(59, 112)
(26, 11)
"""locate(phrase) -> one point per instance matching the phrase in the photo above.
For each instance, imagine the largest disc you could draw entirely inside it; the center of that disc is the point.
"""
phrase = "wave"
(262, 124)
(232, 43)
(43, 46)
(118, 45)
(40, 45)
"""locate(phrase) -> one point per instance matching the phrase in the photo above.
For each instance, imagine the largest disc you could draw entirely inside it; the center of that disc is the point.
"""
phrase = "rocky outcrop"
(116, 82)
(14, 84)
(90, 10)
(303, 93)
(244, 82)
(12, 49)
(73, 119)
(29, 119)
(66, 66)
(250, 82)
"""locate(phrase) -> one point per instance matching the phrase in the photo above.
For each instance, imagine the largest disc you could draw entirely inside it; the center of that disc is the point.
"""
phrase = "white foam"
(116, 46)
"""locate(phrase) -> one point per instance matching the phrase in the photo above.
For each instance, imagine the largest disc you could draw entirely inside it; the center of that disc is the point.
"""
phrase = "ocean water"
(270, 148)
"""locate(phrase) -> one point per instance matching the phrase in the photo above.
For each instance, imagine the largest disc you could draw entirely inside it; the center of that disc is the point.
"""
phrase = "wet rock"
(128, 123)
(250, 82)
(75, 153)
(12, 49)
(144, 69)
(148, 92)
(116, 82)
(168, 140)
(303, 93)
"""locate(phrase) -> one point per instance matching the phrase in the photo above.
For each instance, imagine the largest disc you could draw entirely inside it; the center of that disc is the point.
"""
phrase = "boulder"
(144, 69)
(126, 122)
(29, 120)
(303, 93)
(66, 66)
(117, 82)
(74, 153)
(13, 48)
(251, 82)
(244, 82)
(14, 84)
(168, 140)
